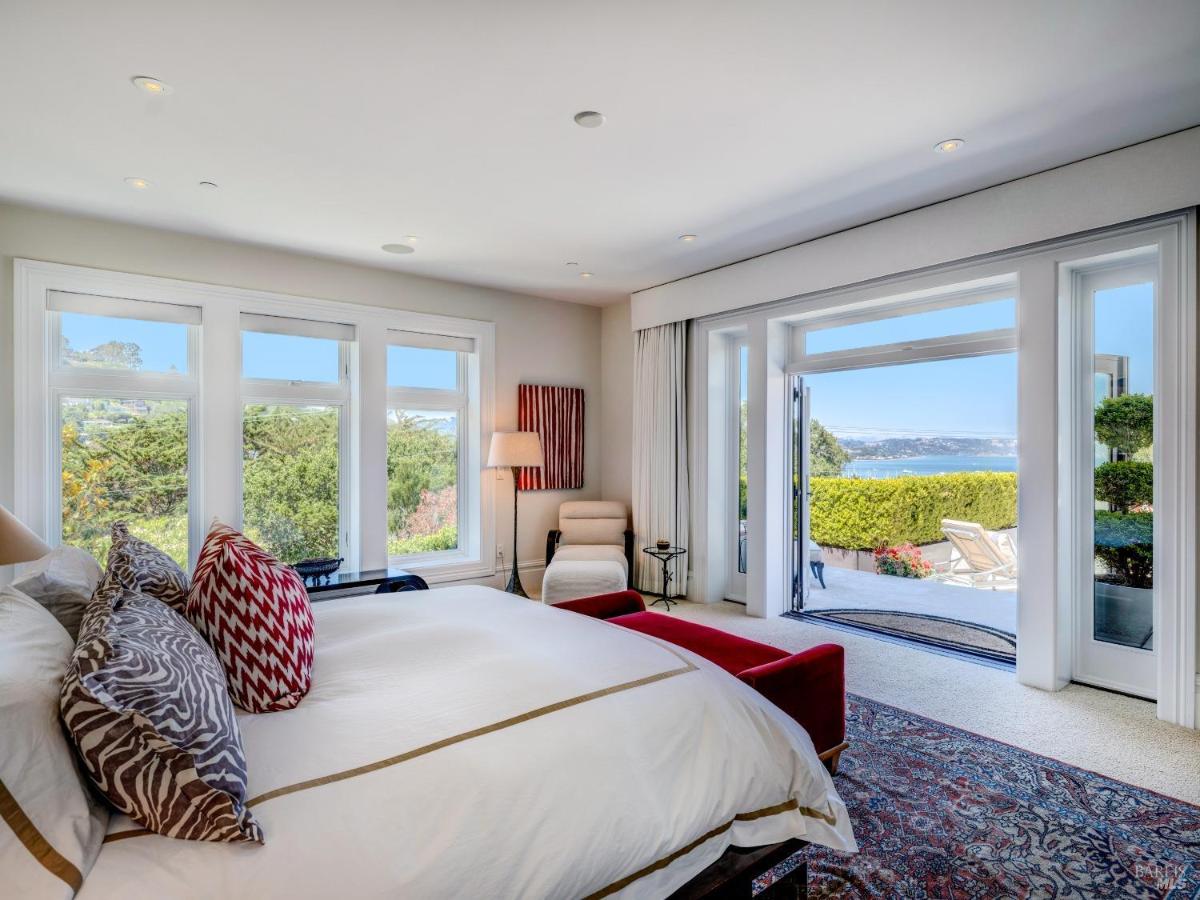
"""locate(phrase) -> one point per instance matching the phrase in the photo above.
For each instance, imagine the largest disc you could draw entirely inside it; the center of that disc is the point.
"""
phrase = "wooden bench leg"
(833, 756)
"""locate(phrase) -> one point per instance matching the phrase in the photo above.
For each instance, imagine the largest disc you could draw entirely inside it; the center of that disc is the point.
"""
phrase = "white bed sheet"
(465, 743)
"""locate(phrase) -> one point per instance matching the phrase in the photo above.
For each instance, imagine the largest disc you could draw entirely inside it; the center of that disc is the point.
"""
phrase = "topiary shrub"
(1125, 484)
(865, 513)
(1125, 543)
(1126, 423)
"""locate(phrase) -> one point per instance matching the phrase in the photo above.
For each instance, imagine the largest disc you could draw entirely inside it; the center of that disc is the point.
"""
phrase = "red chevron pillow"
(254, 612)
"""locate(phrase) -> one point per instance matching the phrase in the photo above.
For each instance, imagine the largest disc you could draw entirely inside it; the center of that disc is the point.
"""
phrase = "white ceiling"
(333, 128)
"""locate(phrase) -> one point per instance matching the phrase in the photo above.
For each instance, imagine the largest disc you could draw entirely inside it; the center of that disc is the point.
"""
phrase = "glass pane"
(418, 367)
(286, 357)
(916, 327)
(125, 460)
(422, 466)
(290, 479)
(1123, 610)
(131, 345)
(743, 375)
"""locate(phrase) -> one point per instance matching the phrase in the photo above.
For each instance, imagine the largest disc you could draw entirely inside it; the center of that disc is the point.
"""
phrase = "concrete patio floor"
(848, 589)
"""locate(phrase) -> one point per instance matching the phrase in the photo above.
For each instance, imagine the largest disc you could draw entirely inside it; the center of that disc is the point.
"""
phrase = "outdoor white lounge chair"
(978, 558)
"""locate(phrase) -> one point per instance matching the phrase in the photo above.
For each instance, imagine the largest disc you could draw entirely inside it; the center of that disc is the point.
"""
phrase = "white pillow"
(53, 825)
(63, 581)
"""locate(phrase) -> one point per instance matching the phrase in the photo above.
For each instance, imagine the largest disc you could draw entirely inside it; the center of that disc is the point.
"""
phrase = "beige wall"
(537, 340)
(616, 403)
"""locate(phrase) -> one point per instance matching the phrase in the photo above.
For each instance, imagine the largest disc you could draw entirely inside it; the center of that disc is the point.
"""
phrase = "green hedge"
(865, 513)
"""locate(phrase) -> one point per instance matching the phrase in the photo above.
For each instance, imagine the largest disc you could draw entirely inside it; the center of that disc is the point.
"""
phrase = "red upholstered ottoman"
(809, 686)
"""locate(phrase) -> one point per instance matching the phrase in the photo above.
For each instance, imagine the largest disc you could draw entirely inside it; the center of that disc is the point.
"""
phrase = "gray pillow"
(145, 700)
(63, 581)
(140, 566)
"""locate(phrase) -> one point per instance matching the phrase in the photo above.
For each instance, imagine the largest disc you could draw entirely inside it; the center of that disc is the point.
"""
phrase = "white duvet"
(464, 743)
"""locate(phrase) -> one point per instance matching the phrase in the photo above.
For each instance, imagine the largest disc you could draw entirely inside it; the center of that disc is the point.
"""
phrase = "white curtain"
(660, 452)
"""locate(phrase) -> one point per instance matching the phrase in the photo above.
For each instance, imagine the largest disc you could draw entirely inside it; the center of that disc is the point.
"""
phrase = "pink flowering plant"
(904, 561)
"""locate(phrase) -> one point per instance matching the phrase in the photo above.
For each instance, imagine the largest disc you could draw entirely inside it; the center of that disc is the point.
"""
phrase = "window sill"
(441, 568)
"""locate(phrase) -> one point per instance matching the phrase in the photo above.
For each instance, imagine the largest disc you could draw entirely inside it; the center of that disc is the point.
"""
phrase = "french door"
(1117, 456)
(801, 406)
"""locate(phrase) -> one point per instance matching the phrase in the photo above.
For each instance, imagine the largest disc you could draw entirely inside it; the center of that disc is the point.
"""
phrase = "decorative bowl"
(662, 545)
(317, 568)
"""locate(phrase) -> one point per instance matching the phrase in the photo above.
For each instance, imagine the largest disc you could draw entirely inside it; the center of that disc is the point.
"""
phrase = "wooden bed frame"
(732, 876)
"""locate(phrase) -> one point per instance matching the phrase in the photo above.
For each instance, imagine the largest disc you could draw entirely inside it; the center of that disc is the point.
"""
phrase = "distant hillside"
(903, 448)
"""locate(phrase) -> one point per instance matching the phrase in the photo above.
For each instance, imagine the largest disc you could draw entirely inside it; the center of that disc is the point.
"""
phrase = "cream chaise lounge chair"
(590, 553)
(978, 558)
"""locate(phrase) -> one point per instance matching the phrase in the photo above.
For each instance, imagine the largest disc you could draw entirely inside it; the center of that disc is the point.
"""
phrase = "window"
(122, 392)
(883, 328)
(428, 397)
(295, 396)
(320, 428)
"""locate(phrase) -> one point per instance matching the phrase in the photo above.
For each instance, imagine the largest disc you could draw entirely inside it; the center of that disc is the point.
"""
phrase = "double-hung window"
(430, 482)
(123, 382)
(296, 435)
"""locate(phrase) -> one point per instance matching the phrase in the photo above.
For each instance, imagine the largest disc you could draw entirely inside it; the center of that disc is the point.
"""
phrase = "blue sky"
(975, 396)
(968, 397)
(164, 346)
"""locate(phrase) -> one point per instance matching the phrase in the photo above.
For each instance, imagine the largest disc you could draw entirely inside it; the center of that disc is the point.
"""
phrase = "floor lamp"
(514, 450)
(17, 543)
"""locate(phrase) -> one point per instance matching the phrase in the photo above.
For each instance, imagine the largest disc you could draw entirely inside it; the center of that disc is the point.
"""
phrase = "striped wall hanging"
(555, 413)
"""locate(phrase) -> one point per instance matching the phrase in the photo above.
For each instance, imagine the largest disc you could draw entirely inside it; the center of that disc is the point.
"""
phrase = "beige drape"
(660, 452)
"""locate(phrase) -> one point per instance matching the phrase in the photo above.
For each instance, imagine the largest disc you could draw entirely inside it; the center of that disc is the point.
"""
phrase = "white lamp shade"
(17, 543)
(515, 448)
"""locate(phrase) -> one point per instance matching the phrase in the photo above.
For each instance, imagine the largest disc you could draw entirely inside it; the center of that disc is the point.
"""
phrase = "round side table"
(665, 557)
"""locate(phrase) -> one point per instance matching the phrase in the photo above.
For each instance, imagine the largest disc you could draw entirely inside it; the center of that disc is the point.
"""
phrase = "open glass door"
(800, 408)
(1116, 457)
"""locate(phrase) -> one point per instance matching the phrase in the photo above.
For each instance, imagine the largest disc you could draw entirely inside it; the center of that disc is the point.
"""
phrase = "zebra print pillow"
(145, 701)
(142, 567)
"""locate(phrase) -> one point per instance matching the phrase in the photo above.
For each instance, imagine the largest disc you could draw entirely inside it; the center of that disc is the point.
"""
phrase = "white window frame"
(216, 482)
(116, 384)
(337, 395)
(458, 401)
(1045, 616)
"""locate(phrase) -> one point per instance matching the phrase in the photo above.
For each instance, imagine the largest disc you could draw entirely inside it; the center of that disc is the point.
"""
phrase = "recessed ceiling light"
(139, 183)
(585, 274)
(949, 146)
(209, 185)
(151, 85)
(589, 119)
(397, 248)
(687, 238)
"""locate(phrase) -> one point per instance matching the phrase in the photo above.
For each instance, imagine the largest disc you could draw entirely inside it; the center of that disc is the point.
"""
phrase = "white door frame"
(1169, 672)
(1045, 617)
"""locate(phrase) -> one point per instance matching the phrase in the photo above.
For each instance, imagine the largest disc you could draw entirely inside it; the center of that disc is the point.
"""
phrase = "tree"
(109, 355)
(826, 457)
(1126, 423)
(1125, 484)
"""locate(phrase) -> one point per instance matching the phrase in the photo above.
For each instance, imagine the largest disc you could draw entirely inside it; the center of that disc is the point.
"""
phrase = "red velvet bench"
(809, 686)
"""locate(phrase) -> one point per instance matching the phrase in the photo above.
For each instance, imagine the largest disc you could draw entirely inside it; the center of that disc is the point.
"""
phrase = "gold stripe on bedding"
(35, 842)
(444, 742)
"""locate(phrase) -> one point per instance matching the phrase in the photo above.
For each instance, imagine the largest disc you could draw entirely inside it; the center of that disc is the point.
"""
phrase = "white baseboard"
(1196, 720)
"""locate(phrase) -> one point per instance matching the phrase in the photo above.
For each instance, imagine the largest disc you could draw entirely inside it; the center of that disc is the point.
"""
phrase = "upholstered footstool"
(568, 579)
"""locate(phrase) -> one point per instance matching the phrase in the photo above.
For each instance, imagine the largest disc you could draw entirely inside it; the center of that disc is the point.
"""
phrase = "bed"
(463, 742)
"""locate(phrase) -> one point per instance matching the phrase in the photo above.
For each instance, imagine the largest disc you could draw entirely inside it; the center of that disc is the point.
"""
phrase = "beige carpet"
(1106, 733)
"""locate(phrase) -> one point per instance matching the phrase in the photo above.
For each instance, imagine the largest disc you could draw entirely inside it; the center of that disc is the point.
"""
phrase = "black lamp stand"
(514, 580)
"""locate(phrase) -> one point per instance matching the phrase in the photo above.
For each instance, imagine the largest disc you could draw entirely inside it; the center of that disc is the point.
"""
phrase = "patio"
(963, 618)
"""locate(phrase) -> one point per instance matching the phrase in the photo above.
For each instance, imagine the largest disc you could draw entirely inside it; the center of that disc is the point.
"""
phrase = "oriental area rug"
(944, 813)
